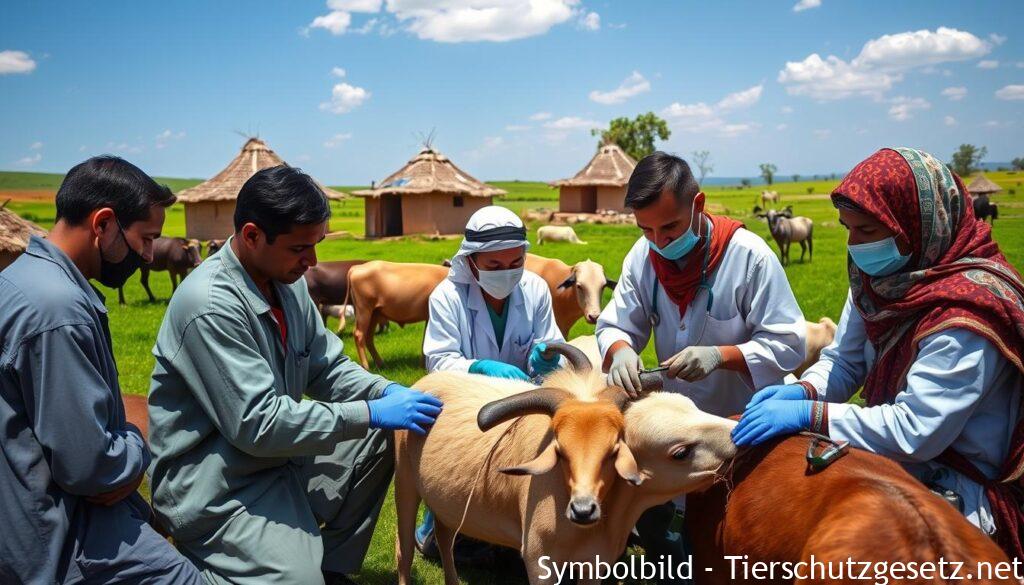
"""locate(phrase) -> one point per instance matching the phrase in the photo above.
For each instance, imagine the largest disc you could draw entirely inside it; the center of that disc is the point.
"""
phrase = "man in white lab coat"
(489, 316)
(724, 318)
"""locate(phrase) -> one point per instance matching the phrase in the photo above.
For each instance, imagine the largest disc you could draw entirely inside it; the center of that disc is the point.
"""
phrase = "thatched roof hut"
(601, 184)
(210, 205)
(982, 185)
(14, 234)
(429, 195)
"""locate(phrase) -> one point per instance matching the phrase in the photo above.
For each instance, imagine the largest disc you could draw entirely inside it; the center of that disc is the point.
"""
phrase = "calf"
(575, 290)
(770, 197)
(557, 233)
(767, 507)
(786, 229)
(175, 255)
(984, 209)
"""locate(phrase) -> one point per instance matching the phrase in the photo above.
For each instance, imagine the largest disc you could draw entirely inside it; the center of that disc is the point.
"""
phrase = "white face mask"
(499, 283)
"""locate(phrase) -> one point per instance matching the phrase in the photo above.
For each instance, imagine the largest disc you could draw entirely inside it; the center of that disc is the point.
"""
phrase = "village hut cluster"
(14, 234)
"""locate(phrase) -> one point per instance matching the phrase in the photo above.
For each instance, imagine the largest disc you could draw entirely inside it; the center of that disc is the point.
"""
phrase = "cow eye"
(680, 453)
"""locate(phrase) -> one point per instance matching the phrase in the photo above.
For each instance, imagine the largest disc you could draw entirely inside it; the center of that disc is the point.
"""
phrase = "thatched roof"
(610, 167)
(225, 185)
(14, 231)
(431, 172)
(982, 185)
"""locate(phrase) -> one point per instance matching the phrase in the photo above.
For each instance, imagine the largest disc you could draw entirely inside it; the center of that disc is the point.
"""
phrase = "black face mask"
(115, 274)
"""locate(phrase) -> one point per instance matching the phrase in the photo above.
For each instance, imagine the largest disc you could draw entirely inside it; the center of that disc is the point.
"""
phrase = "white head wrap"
(490, 229)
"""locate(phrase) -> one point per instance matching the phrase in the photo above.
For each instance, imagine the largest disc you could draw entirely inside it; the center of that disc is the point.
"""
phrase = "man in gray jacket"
(69, 462)
(255, 484)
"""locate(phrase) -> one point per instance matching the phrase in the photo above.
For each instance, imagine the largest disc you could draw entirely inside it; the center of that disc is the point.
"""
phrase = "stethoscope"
(655, 318)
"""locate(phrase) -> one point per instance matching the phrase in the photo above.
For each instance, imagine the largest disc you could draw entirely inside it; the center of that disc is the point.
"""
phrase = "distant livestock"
(985, 209)
(557, 233)
(770, 197)
(786, 229)
(175, 255)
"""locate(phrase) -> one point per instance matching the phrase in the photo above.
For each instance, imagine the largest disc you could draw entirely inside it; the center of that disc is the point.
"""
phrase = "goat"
(574, 423)
(786, 229)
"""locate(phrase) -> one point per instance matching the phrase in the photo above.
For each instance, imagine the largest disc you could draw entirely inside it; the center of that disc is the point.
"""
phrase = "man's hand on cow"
(624, 371)
(693, 363)
(116, 495)
(778, 392)
(771, 419)
(401, 408)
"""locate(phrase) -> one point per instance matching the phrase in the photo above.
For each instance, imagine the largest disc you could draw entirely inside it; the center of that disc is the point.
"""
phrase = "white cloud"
(733, 130)
(781, 127)
(338, 72)
(30, 160)
(1020, 64)
(822, 133)
(902, 107)
(632, 86)
(949, 121)
(541, 116)
(988, 64)
(36, 145)
(336, 140)
(805, 5)
(16, 62)
(571, 123)
(336, 22)
(955, 93)
(997, 39)
(741, 99)
(787, 110)
(1011, 92)
(516, 128)
(591, 21)
(698, 117)
(165, 137)
(355, 5)
(345, 98)
(992, 124)
(123, 147)
(880, 63)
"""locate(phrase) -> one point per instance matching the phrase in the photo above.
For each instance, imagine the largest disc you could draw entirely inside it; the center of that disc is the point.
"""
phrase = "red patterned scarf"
(955, 278)
(681, 283)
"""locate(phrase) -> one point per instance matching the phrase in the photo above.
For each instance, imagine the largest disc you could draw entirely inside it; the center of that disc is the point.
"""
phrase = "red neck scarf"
(956, 278)
(681, 283)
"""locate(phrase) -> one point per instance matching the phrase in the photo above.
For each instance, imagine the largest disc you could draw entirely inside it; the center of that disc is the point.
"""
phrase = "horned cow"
(175, 255)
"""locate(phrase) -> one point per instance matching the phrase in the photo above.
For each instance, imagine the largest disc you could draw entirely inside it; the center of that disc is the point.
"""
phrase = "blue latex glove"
(401, 408)
(497, 369)
(538, 364)
(771, 419)
(777, 392)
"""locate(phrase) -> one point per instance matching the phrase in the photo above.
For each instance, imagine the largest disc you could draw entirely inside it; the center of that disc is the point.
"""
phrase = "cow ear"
(542, 463)
(571, 281)
(611, 284)
(625, 465)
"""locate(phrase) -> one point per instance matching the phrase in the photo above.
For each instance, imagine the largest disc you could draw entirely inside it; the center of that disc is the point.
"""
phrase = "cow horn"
(539, 401)
(574, 355)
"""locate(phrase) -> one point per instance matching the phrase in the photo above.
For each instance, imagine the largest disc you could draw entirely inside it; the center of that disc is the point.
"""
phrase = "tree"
(637, 136)
(967, 158)
(768, 172)
(745, 182)
(796, 178)
(1018, 163)
(701, 158)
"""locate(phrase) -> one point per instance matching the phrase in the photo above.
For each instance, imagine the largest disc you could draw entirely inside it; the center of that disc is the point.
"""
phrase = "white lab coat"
(753, 309)
(459, 330)
(960, 392)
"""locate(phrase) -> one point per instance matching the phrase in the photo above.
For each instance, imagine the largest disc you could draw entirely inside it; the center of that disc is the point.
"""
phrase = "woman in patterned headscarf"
(934, 331)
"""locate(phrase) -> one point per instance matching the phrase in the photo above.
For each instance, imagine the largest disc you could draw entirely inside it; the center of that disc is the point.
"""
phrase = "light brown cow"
(558, 233)
(575, 290)
(392, 291)
(819, 336)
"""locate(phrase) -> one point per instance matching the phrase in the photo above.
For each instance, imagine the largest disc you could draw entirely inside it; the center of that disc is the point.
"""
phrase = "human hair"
(109, 181)
(277, 198)
(656, 173)
(844, 202)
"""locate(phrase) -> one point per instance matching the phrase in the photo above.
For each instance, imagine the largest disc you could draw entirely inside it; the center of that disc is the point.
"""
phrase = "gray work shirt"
(64, 430)
(227, 417)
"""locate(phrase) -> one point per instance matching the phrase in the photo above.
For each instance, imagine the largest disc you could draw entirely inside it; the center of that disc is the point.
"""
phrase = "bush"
(1012, 191)
(810, 190)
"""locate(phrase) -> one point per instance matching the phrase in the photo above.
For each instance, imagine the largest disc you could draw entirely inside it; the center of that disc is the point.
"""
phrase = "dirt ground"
(28, 195)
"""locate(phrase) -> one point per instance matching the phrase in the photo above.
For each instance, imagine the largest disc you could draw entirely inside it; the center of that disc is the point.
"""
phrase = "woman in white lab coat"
(933, 329)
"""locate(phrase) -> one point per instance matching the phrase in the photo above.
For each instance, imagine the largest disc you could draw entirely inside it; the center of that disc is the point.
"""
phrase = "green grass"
(820, 288)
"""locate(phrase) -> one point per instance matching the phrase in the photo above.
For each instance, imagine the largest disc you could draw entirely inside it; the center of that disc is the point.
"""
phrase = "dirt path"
(28, 195)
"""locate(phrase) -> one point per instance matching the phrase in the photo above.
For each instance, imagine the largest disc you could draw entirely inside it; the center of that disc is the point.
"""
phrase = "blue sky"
(345, 88)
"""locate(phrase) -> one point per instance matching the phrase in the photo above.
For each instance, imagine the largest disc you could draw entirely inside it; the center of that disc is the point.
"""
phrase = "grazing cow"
(770, 197)
(557, 233)
(392, 291)
(787, 229)
(538, 215)
(212, 246)
(819, 336)
(767, 507)
(328, 285)
(575, 290)
(984, 209)
(175, 255)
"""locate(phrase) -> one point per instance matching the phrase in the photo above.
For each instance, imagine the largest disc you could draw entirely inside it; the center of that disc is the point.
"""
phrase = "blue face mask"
(880, 258)
(680, 246)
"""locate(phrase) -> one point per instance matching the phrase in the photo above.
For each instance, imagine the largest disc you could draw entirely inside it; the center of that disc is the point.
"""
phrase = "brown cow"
(768, 507)
(175, 255)
(392, 291)
(213, 245)
(819, 336)
(575, 290)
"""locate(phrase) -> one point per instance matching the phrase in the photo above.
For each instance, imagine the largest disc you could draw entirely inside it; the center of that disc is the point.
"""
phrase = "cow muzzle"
(583, 510)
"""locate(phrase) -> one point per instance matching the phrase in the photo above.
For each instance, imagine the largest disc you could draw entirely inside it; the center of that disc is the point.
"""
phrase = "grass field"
(820, 286)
